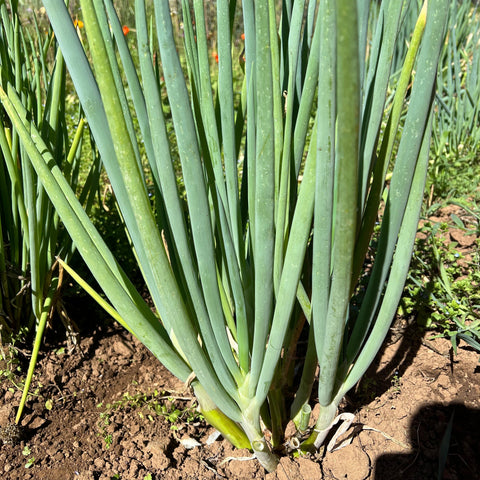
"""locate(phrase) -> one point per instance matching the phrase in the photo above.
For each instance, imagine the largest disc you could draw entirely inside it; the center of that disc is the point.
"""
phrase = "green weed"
(442, 289)
(149, 406)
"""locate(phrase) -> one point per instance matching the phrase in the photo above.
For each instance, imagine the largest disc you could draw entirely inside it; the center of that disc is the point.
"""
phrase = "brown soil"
(402, 409)
(108, 410)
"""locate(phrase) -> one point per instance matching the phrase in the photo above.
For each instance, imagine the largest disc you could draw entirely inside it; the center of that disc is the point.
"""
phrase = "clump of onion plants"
(33, 71)
(263, 241)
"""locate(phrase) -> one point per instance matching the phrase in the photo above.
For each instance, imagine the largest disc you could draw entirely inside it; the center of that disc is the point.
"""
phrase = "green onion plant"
(255, 266)
(456, 127)
(32, 235)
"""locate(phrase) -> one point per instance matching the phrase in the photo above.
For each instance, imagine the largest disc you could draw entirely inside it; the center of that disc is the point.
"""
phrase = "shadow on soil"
(429, 436)
(376, 382)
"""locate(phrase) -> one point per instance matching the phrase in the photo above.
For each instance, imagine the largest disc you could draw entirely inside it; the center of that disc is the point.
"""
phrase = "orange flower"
(242, 36)
(125, 29)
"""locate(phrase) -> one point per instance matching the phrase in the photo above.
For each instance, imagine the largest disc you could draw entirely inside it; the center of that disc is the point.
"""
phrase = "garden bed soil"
(108, 410)
(93, 417)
